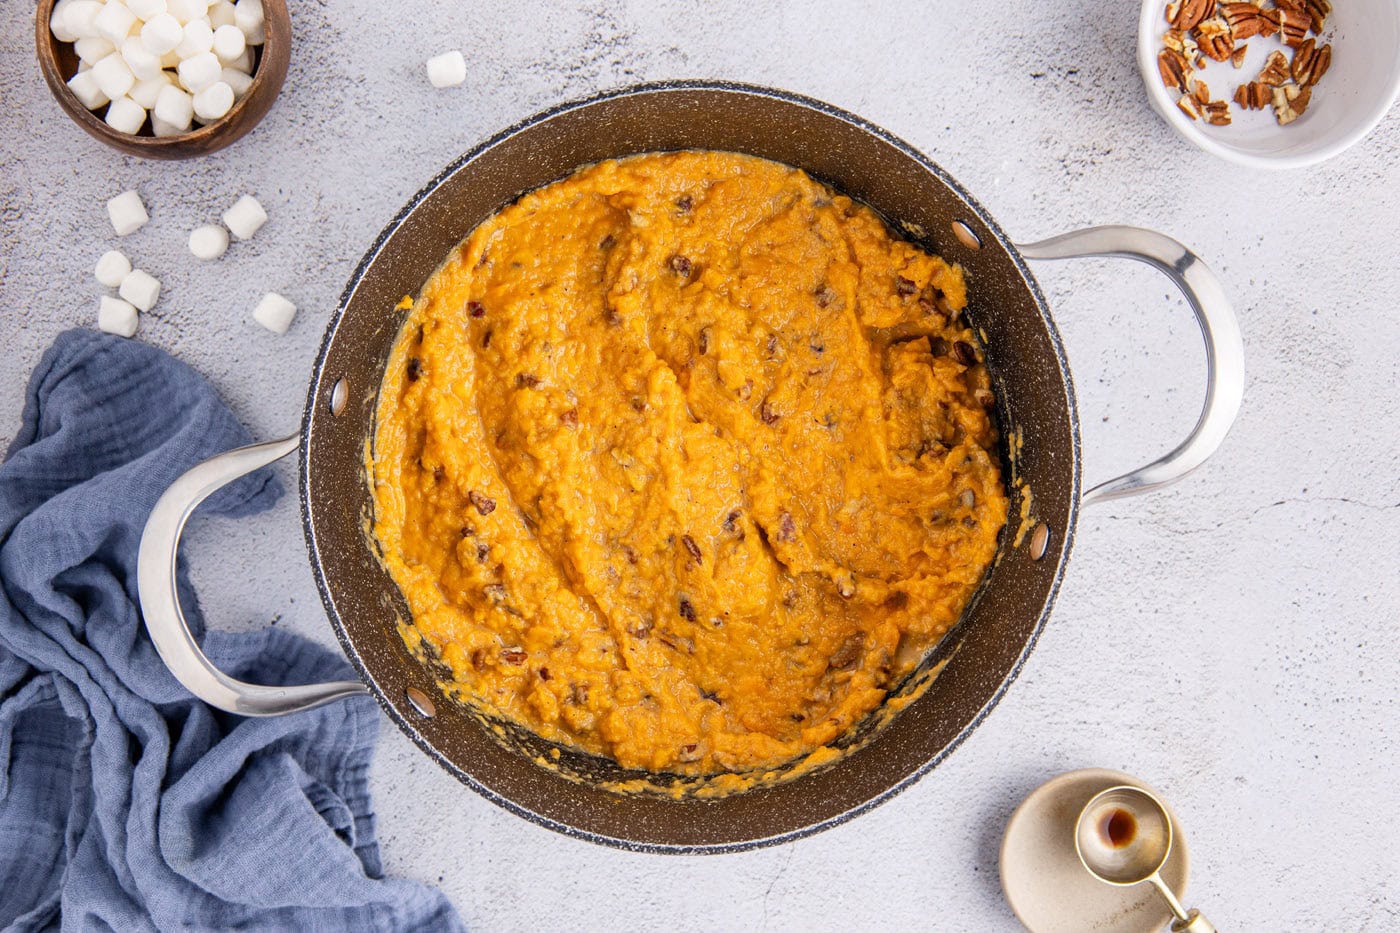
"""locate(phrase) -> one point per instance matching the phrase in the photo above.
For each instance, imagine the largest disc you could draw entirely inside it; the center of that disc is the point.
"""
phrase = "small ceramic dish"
(1346, 104)
(59, 62)
(1046, 884)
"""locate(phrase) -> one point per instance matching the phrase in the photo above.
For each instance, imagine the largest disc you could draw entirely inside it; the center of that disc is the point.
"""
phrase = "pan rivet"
(1040, 541)
(419, 701)
(339, 395)
(965, 235)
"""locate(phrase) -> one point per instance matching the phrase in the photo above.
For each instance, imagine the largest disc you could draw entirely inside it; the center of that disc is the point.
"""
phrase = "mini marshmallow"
(125, 115)
(229, 43)
(174, 108)
(84, 87)
(116, 317)
(187, 10)
(146, 93)
(112, 268)
(140, 288)
(127, 212)
(198, 38)
(243, 63)
(112, 75)
(161, 129)
(113, 21)
(209, 241)
(93, 49)
(447, 70)
(142, 63)
(200, 71)
(213, 102)
(146, 10)
(58, 26)
(238, 81)
(275, 313)
(246, 217)
(248, 16)
(221, 14)
(161, 34)
(80, 19)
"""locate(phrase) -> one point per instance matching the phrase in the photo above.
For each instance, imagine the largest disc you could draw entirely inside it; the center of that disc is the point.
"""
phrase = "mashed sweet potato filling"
(684, 460)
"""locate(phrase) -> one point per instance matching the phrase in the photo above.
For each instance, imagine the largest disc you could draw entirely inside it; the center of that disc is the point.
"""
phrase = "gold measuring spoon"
(1124, 837)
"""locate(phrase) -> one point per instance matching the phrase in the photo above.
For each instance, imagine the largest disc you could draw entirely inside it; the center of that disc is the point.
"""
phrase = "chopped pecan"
(1217, 113)
(415, 369)
(825, 295)
(479, 659)
(703, 341)
(476, 309)
(1187, 105)
(484, 504)
(545, 674)
(1275, 70)
(1289, 102)
(1179, 42)
(1293, 25)
(607, 242)
(1256, 95)
(1245, 19)
(1173, 68)
(689, 753)
(787, 528)
(849, 653)
(680, 265)
(569, 418)
(768, 413)
(963, 352)
(1318, 11)
(1201, 92)
(1214, 38)
(526, 381)
(984, 397)
(904, 287)
(686, 608)
(692, 548)
(1238, 55)
(496, 592)
(684, 203)
(513, 655)
(731, 521)
(1310, 63)
(1188, 13)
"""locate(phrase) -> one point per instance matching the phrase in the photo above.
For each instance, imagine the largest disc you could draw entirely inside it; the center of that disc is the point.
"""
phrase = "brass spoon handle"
(1187, 921)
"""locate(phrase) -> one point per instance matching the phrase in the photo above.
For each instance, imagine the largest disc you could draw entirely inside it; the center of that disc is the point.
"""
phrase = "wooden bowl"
(59, 63)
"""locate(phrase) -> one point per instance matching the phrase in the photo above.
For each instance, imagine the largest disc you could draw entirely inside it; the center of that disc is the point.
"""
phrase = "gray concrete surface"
(1231, 640)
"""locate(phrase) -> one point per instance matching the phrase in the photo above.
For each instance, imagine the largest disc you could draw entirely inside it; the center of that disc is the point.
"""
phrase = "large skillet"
(1029, 371)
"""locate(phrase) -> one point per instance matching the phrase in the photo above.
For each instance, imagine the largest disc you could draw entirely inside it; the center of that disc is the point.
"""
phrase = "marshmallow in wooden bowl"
(131, 51)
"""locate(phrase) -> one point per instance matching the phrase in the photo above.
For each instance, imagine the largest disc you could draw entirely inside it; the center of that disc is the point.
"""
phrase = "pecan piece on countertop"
(1245, 19)
(1188, 13)
(1214, 38)
(1174, 69)
(484, 504)
(1275, 70)
(1310, 63)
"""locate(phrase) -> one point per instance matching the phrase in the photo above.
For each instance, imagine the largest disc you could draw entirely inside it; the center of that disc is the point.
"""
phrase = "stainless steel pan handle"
(1224, 346)
(160, 599)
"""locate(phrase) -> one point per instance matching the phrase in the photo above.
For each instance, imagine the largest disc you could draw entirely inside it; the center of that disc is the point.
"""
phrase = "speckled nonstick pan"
(1035, 404)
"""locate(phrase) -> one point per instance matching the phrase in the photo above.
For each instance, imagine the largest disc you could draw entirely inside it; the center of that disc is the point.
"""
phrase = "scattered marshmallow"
(112, 76)
(246, 217)
(84, 87)
(199, 71)
(112, 268)
(93, 49)
(127, 212)
(113, 21)
(209, 241)
(125, 115)
(229, 43)
(144, 66)
(237, 81)
(447, 70)
(146, 10)
(116, 317)
(174, 108)
(213, 102)
(275, 313)
(198, 38)
(248, 16)
(140, 288)
(162, 33)
(146, 93)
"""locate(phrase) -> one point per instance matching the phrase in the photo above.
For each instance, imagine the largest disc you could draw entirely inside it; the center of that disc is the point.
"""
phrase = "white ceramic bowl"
(1346, 104)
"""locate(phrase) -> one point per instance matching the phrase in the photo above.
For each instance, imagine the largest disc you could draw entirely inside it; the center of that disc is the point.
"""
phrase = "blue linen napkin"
(125, 803)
